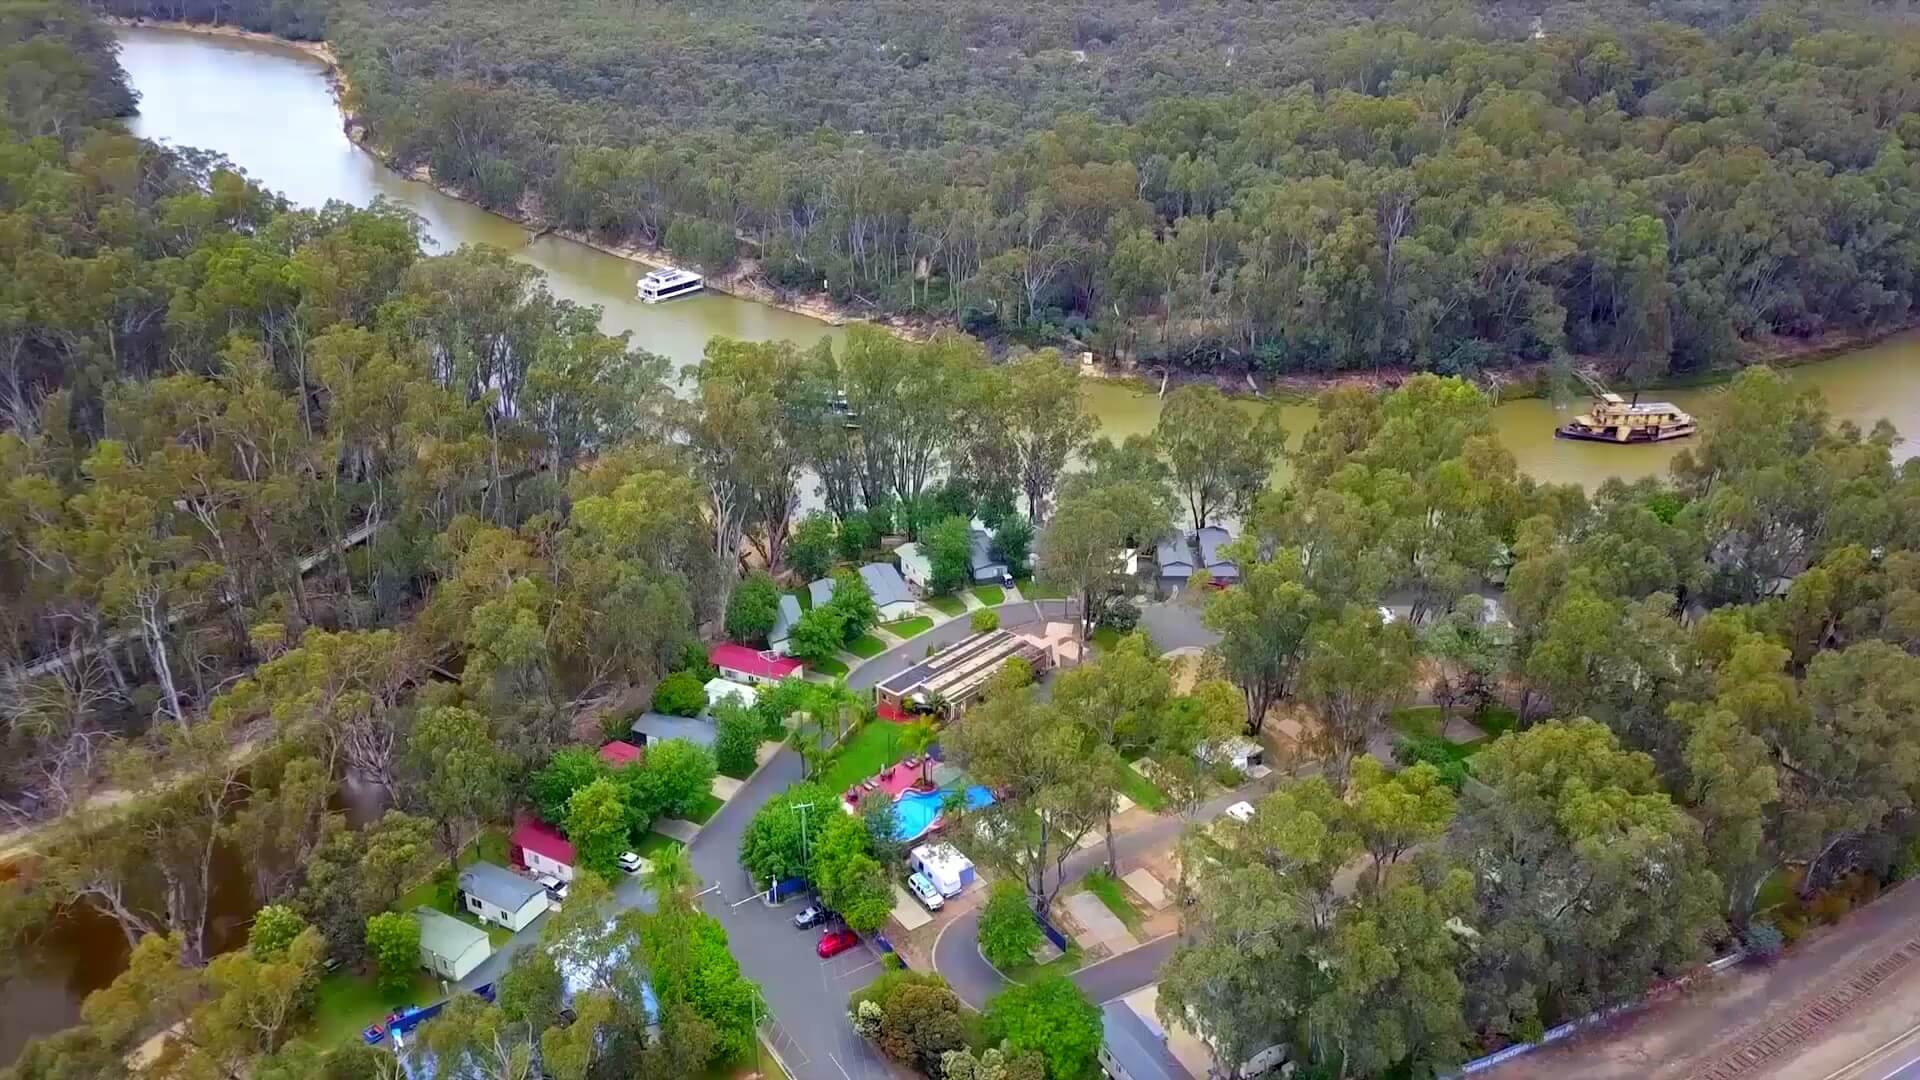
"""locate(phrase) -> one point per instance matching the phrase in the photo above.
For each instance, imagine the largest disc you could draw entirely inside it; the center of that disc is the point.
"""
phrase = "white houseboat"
(669, 283)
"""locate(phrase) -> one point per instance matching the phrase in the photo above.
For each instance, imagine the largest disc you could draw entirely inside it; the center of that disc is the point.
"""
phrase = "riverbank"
(614, 289)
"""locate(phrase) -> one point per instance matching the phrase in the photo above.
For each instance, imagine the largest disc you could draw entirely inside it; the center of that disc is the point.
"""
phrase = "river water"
(269, 110)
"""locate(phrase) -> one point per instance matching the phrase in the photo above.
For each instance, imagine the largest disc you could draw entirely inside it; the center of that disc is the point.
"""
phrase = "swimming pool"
(917, 812)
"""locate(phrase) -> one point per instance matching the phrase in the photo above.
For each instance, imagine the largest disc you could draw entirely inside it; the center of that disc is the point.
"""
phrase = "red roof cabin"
(540, 849)
(752, 667)
(618, 753)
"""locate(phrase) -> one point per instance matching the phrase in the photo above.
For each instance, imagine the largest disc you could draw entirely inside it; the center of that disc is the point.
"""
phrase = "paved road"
(1123, 974)
(806, 996)
(1175, 624)
(956, 953)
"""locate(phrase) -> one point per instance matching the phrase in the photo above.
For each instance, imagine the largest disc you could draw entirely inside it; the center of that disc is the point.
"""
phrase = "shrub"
(677, 775)
(753, 609)
(1013, 542)
(1049, 1016)
(984, 620)
(820, 633)
(1008, 932)
(810, 549)
(568, 771)
(693, 661)
(598, 827)
(949, 550)
(1763, 941)
(1436, 752)
(1120, 615)
(274, 928)
(680, 694)
(854, 603)
(919, 1024)
(736, 739)
(393, 939)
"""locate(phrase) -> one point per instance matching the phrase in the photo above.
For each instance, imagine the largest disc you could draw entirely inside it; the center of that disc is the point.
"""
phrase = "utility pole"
(803, 808)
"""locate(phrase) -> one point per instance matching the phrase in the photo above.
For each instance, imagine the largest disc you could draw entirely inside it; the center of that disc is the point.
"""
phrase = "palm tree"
(917, 740)
(670, 876)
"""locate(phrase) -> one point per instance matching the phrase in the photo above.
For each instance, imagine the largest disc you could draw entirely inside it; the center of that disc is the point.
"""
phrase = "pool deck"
(893, 781)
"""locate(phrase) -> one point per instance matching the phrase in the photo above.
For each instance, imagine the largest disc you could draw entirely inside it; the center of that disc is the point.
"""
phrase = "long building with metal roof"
(954, 677)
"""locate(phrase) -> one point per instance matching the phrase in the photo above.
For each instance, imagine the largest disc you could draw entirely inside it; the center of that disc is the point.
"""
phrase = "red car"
(835, 942)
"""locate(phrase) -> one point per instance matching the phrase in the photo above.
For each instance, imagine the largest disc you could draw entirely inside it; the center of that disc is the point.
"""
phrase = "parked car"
(556, 888)
(810, 916)
(631, 862)
(1241, 812)
(836, 941)
(924, 892)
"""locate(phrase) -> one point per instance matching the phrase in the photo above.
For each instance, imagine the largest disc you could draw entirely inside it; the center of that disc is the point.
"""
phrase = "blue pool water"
(915, 812)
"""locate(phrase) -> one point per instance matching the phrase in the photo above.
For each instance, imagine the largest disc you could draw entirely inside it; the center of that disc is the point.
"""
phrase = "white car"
(631, 862)
(556, 888)
(924, 891)
(1241, 812)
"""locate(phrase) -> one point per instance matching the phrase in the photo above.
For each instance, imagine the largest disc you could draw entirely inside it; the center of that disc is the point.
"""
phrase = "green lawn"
(990, 595)
(866, 646)
(947, 605)
(907, 628)
(865, 752)
(1066, 963)
(437, 891)
(830, 666)
(655, 842)
(1418, 721)
(803, 595)
(344, 1003)
(1496, 721)
(1141, 791)
(1108, 889)
(708, 806)
(1035, 589)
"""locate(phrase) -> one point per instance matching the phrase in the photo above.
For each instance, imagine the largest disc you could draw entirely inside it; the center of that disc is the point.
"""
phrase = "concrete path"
(1099, 927)
(1142, 882)
(678, 829)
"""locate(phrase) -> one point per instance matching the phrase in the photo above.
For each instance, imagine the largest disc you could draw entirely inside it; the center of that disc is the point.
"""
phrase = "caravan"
(944, 866)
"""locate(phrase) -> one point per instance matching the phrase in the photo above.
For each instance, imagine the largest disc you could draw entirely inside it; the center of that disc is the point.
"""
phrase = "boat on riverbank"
(669, 283)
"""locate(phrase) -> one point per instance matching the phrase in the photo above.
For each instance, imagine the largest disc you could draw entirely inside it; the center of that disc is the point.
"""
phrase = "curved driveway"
(807, 996)
(956, 953)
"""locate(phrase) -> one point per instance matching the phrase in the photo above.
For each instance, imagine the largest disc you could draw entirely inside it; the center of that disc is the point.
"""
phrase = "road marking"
(855, 971)
(837, 1065)
(1857, 1063)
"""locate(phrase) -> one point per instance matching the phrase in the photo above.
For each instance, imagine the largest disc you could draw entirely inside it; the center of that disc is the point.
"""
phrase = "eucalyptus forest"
(289, 504)
(1279, 187)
